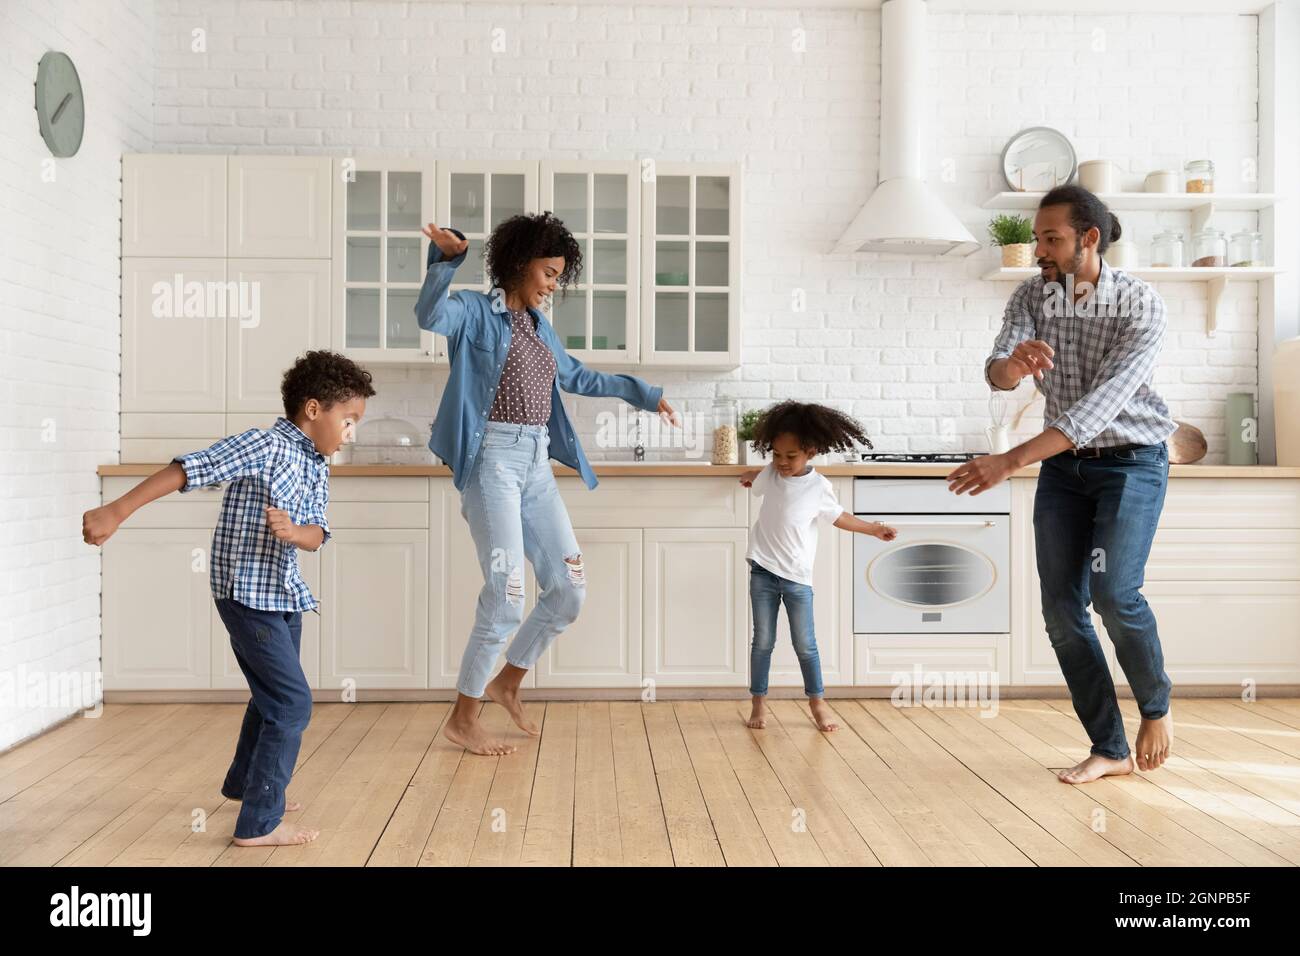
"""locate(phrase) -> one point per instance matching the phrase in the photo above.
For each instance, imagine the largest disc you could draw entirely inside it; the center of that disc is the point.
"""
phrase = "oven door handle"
(941, 524)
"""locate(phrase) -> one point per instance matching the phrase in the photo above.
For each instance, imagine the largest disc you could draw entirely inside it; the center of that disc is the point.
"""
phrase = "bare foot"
(758, 715)
(471, 735)
(1094, 768)
(507, 695)
(1155, 737)
(822, 715)
(286, 834)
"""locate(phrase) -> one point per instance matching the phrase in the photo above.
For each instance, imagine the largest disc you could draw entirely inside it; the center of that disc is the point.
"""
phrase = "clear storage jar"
(1199, 176)
(725, 443)
(1209, 249)
(1246, 249)
(1167, 250)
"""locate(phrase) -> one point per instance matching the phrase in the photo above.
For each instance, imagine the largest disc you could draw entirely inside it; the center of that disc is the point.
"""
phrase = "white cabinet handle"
(941, 524)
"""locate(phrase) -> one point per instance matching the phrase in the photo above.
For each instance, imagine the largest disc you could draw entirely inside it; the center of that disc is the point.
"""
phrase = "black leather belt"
(1101, 452)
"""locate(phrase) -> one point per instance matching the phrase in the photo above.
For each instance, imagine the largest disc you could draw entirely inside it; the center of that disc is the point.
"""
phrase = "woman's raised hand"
(450, 244)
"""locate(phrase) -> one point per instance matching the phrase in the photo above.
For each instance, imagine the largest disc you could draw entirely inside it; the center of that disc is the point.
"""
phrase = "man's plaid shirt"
(277, 466)
(1099, 392)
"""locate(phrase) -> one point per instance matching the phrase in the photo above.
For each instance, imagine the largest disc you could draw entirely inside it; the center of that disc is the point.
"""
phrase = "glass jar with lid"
(1209, 248)
(1167, 250)
(1246, 249)
(725, 444)
(1199, 176)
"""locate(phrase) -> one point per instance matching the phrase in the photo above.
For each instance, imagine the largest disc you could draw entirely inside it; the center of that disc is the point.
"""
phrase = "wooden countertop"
(670, 470)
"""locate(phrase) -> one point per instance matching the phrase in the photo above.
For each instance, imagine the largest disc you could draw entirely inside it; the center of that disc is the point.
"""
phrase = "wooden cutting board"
(1186, 445)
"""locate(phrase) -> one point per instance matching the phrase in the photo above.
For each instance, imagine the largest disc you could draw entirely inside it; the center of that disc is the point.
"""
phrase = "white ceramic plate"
(1037, 159)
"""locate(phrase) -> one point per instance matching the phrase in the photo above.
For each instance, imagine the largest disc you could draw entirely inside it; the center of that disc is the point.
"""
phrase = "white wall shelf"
(1217, 280)
(1201, 205)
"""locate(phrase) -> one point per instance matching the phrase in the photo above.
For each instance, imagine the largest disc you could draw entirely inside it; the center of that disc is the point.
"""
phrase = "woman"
(498, 424)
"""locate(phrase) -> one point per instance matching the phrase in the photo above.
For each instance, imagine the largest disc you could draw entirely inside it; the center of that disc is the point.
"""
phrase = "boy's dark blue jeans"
(1094, 519)
(266, 645)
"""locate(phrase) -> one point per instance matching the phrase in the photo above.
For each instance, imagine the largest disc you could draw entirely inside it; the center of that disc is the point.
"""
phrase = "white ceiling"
(954, 6)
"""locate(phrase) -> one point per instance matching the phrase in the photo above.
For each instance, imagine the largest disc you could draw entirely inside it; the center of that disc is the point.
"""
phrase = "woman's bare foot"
(504, 690)
(1094, 768)
(1155, 737)
(286, 834)
(757, 715)
(822, 715)
(464, 730)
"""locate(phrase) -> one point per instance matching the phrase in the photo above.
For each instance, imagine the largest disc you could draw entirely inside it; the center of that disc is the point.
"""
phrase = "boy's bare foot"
(757, 715)
(1155, 737)
(506, 693)
(822, 715)
(286, 834)
(471, 735)
(1094, 768)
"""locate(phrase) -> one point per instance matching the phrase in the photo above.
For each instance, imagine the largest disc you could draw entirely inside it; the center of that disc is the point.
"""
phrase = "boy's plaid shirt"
(1099, 392)
(277, 466)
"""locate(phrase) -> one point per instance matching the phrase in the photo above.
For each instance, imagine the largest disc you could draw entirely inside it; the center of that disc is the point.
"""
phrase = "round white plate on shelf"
(1037, 159)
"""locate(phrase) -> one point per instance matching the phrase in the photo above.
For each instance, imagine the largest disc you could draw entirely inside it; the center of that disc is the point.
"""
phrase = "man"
(1090, 335)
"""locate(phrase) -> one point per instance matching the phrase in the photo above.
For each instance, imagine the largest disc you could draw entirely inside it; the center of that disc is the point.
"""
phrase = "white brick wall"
(60, 332)
(898, 342)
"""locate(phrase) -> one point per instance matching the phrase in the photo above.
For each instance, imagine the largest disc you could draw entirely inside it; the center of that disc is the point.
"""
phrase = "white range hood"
(903, 215)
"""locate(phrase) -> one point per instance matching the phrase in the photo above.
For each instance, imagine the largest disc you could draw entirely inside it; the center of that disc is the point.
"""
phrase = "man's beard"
(1072, 267)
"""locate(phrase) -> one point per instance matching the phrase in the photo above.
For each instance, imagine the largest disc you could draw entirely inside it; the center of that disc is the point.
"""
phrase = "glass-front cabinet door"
(475, 196)
(599, 202)
(690, 277)
(380, 208)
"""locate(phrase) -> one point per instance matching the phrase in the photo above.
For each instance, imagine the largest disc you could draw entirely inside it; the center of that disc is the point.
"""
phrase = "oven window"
(931, 575)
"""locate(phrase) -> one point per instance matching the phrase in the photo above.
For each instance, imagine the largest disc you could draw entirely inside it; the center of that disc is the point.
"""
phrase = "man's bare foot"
(471, 735)
(1155, 738)
(1094, 768)
(286, 834)
(822, 715)
(506, 693)
(757, 715)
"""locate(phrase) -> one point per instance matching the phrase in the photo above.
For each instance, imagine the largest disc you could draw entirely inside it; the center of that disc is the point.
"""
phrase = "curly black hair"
(818, 429)
(325, 376)
(520, 239)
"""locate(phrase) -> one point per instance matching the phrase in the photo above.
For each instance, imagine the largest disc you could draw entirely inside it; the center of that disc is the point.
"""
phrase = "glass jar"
(1209, 249)
(1167, 250)
(1247, 249)
(725, 446)
(1199, 176)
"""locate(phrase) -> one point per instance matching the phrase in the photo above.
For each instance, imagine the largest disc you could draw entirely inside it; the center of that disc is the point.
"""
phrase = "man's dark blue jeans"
(266, 645)
(1094, 519)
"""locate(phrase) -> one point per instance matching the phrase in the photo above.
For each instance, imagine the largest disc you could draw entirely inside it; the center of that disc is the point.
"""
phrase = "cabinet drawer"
(379, 489)
(378, 514)
(193, 509)
(1231, 503)
(657, 503)
(969, 662)
(1240, 554)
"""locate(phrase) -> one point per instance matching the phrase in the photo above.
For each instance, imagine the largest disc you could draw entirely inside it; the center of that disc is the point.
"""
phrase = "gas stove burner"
(922, 457)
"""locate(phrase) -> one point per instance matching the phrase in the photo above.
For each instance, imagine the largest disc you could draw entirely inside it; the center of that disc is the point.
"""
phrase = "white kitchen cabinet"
(380, 210)
(174, 327)
(291, 315)
(173, 205)
(455, 601)
(691, 265)
(602, 648)
(375, 613)
(600, 203)
(695, 618)
(157, 609)
(226, 674)
(279, 207)
(832, 608)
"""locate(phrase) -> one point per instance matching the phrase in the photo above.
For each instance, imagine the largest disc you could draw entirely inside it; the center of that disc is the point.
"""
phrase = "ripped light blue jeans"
(515, 511)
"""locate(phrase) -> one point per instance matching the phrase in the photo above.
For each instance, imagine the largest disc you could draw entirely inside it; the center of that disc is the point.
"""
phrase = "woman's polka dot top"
(524, 392)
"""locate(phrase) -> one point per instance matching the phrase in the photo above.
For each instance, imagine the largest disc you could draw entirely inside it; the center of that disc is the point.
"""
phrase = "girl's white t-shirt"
(784, 538)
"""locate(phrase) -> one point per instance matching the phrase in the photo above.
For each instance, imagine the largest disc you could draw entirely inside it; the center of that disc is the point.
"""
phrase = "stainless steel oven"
(946, 571)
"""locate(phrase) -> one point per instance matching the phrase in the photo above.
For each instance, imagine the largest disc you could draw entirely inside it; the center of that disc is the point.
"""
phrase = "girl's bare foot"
(757, 715)
(286, 834)
(1154, 739)
(822, 715)
(468, 733)
(504, 691)
(1095, 768)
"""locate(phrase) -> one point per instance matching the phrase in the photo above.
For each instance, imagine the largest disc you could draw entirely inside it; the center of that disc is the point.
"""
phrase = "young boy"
(275, 504)
(783, 541)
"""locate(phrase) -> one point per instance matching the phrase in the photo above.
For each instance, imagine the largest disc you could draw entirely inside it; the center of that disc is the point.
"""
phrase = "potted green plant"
(1015, 234)
(745, 434)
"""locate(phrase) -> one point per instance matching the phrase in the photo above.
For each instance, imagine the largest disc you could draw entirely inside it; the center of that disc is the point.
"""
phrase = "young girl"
(498, 425)
(783, 541)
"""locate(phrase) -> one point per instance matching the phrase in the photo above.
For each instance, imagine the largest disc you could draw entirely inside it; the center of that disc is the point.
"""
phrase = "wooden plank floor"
(680, 783)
